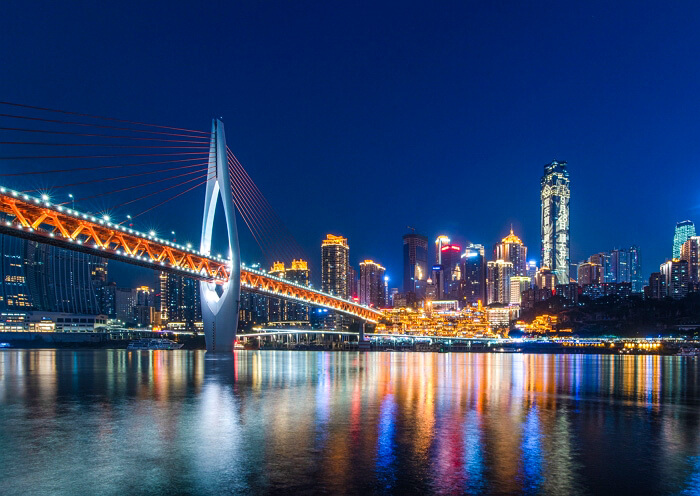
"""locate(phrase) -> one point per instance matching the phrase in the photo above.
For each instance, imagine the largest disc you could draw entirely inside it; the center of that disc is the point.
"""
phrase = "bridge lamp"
(105, 217)
(72, 199)
(45, 197)
(189, 246)
(152, 233)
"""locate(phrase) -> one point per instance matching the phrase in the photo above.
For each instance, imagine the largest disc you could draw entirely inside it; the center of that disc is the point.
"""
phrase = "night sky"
(360, 118)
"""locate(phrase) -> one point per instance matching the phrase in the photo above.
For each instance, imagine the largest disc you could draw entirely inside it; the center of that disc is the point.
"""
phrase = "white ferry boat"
(153, 344)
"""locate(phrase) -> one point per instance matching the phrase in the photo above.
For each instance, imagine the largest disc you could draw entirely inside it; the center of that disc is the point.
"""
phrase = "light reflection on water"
(117, 422)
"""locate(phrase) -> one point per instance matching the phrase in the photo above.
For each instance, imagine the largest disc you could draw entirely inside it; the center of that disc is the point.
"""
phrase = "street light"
(72, 199)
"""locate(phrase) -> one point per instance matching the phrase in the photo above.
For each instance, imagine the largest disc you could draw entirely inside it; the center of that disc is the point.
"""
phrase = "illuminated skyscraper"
(335, 254)
(690, 252)
(555, 194)
(675, 276)
(684, 230)
(451, 270)
(473, 275)
(415, 266)
(179, 300)
(511, 249)
(441, 241)
(335, 259)
(498, 274)
(281, 310)
(372, 284)
(589, 273)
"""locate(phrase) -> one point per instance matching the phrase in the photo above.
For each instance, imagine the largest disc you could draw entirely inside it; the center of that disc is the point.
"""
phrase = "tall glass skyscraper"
(556, 242)
(684, 230)
(415, 266)
(43, 277)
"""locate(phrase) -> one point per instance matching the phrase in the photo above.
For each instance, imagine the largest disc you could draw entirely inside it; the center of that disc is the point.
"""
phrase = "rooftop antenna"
(412, 229)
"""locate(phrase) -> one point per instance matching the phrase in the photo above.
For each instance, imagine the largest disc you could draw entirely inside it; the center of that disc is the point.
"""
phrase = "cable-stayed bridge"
(166, 164)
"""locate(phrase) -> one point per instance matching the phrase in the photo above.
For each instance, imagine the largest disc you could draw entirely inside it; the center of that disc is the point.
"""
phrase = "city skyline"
(423, 112)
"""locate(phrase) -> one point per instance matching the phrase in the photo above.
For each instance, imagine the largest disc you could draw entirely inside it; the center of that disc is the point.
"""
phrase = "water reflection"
(110, 421)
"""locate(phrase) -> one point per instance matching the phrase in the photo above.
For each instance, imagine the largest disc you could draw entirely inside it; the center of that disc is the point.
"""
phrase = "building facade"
(372, 291)
(415, 266)
(684, 230)
(555, 195)
(690, 252)
(511, 249)
(675, 278)
(498, 274)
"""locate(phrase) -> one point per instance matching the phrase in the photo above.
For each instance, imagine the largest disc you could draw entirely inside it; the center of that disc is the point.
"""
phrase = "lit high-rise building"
(372, 284)
(589, 273)
(415, 266)
(335, 254)
(684, 230)
(635, 265)
(675, 276)
(473, 275)
(451, 270)
(441, 241)
(555, 195)
(498, 274)
(603, 259)
(511, 249)
(280, 310)
(335, 260)
(179, 300)
(690, 252)
(518, 284)
(532, 272)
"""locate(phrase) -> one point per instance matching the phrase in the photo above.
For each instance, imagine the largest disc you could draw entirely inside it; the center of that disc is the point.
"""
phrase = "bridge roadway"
(38, 219)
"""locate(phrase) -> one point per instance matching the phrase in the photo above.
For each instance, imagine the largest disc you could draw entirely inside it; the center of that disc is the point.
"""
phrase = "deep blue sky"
(360, 118)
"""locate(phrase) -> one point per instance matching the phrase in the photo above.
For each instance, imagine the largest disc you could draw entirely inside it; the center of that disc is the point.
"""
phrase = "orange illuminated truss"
(264, 283)
(39, 220)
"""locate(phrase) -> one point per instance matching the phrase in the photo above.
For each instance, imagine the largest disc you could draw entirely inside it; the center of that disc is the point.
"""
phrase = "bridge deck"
(37, 219)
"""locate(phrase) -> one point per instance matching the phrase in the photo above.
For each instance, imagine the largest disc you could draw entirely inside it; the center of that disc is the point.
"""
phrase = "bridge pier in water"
(220, 303)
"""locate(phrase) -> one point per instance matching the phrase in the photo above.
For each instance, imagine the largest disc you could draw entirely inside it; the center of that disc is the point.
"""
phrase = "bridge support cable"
(260, 227)
(246, 212)
(175, 159)
(276, 229)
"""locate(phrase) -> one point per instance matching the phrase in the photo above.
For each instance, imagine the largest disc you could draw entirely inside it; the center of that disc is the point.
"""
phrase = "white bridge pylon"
(220, 308)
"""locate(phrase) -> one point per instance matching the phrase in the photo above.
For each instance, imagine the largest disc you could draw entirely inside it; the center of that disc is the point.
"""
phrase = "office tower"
(546, 279)
(518, 284)
(297, 273)
(635, 269)
(179, 300)
(15, 293)
(532, 272)
(555, 194)
(690, 252)
(619, 264)
(498, 274)
(335, 254)
(511, 249)
(684, 230)
(441, 241)
(335, 259)
(43, 277)
(352, 283)
(657, 286)
(589, 273)
(473, 275)
(415, 266)
(372, 284)
(124, 304)
(603, 259)
(675, 276)
(451, 271)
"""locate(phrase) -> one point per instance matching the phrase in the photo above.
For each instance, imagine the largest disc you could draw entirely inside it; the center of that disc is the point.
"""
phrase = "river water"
(184, 422)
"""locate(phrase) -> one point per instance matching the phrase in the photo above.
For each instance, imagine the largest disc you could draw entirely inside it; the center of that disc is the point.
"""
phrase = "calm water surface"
(179, 422)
